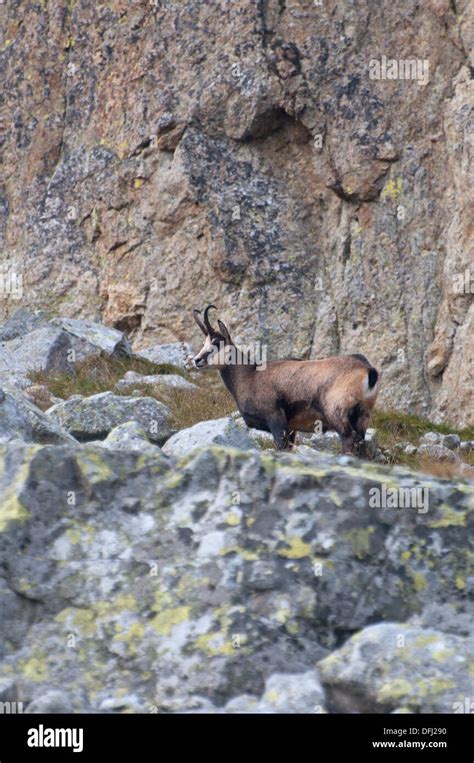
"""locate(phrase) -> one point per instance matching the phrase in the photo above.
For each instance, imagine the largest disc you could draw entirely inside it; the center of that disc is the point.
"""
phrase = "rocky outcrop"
(94, 417)
(161, 155)
(215, 584)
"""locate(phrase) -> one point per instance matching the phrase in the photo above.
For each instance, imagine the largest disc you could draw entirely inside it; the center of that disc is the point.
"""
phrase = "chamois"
(288, 396)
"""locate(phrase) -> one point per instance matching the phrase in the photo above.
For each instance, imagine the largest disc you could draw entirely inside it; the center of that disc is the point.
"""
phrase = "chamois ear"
(199, 322)
(224, 331)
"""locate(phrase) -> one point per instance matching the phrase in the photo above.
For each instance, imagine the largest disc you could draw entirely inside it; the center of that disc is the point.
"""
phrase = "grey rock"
(94, 417)
(299, 693)
(132, 378)
(53, 701)
(176, 353)
(467, 446)
(392, 665)
(90, 338)
(159, 570)
(44, 349)
(130, 436)
(451, 441)
(21, 420)
(213, 432)
(329, 441)
(431, 438)
(8, 690)
(22, 322)
(437, 453)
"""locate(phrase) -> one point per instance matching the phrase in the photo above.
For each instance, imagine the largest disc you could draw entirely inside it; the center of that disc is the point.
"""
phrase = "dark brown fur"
(289, 396)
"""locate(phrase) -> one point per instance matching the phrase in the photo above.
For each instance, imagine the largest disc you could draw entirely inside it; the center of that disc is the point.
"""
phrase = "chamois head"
(212, 353)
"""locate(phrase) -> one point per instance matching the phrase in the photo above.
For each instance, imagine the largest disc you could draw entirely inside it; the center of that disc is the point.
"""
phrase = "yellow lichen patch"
(297, 548)
(138, 182)
(392, 189)
(11, 508)
(419, 580)
(232, 518)
(130, 636)
(449, 518)
(359, 538)
(395, 689)
(164, 621)
(35, 668)
(214, 644)
(250, 521)
(73, 536)
(426, 639)
(460, 583)
(441, 655)
(93, 467)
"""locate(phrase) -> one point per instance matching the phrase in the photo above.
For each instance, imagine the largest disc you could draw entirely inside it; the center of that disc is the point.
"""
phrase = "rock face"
(159, 155)
(217, 583)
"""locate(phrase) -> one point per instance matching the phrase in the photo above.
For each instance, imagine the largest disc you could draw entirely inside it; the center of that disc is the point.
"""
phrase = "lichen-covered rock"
(21, 420)
(93, 418)
(394, 665)
(133, 379)
(188, 585)
(223, 431)
(130, 436)
(44, 349)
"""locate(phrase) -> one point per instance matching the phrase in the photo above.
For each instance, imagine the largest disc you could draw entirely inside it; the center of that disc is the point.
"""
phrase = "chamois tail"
(370, 383)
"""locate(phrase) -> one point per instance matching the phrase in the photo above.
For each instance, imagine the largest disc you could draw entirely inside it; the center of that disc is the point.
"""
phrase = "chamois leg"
(348, 437)
(359, 419)
(278, 426)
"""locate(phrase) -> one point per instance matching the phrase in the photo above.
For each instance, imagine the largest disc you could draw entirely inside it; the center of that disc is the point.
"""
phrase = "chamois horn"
(206, 319)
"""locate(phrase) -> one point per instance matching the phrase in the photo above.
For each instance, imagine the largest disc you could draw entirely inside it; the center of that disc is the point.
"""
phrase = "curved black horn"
(196, 314)
(206, 319)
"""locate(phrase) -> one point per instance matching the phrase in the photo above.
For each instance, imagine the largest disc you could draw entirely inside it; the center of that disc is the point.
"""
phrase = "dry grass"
(99, 374)
(209, 401)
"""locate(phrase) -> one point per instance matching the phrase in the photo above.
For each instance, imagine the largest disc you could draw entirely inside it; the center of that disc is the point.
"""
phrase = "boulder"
(93, 418)
(394, 665)
(130, 436)
(451, 441)
(21, 420)
(44, 349)
(90, 338)
(213, 432)
(188, 585)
